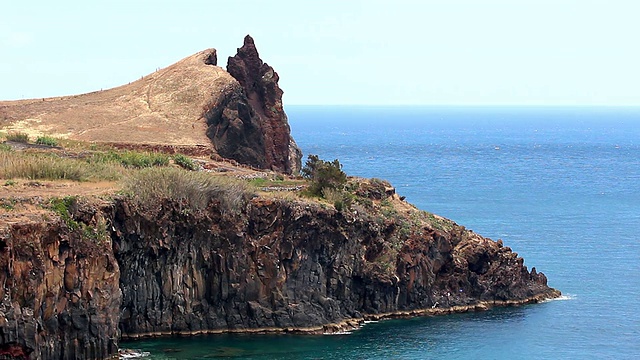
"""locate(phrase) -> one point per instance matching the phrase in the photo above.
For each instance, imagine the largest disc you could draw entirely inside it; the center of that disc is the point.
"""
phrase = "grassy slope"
(45, 173)
(164, 107)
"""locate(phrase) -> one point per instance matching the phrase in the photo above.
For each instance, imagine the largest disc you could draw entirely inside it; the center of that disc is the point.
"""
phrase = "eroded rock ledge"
(72, 287)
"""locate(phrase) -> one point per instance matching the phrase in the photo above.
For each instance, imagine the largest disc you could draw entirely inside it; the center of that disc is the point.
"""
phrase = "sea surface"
(560, 186)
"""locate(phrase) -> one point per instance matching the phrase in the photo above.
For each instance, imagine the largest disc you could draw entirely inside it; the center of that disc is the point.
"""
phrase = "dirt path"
(27, 201)
(47, 189)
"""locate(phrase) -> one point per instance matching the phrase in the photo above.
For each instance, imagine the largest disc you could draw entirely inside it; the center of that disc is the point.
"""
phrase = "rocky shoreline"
(121, 269)
(356, 324)
(79, 273)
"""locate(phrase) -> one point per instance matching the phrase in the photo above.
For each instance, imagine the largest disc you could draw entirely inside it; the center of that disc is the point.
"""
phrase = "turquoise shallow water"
(558, 185)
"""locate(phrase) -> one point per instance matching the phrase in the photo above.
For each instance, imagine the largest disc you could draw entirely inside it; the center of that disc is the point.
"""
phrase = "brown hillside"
(165, 107)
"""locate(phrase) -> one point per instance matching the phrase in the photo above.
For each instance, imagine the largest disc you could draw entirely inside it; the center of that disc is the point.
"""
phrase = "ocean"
(560, 186)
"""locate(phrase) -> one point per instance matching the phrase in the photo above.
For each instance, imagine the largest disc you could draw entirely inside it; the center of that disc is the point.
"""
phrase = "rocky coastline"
(271, 265)
(355, 324)
(80, 273)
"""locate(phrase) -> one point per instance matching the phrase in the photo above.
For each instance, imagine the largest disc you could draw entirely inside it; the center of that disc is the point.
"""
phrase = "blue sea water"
(561, 186)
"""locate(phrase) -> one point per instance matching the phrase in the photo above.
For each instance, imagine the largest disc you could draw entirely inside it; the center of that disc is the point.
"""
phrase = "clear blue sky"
(445, 52)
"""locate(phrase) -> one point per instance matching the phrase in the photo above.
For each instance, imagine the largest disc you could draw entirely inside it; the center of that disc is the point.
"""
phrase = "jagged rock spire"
(260, 84)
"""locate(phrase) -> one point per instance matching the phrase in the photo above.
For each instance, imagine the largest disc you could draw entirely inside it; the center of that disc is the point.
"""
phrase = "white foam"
(370, 322)
(338, 333)
(563, 297)
(133, 354)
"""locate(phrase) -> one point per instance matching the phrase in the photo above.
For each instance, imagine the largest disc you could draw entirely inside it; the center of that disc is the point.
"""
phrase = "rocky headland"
(229, 248)
(192, 106)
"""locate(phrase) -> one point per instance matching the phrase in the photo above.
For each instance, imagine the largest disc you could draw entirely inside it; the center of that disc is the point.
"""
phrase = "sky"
(400, 52)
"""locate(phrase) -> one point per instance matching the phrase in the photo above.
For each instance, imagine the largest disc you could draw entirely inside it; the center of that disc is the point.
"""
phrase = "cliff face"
(250, 124)
(59, 294)
(294, 265)
(74, 283)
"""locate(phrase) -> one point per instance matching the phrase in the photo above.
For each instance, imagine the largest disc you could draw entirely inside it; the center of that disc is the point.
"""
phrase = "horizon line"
(474, 105)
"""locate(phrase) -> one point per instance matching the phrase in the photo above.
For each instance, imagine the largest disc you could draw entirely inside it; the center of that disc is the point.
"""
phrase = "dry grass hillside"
(164, 107)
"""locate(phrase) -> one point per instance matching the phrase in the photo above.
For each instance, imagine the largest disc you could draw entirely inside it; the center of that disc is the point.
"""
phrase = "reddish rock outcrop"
(59, 293)
(250, 125)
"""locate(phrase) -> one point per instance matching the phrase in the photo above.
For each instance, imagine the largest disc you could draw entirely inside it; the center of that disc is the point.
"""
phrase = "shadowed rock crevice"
(235, 130)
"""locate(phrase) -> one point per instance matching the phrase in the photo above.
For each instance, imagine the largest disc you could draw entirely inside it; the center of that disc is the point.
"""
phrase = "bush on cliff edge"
(323, 175)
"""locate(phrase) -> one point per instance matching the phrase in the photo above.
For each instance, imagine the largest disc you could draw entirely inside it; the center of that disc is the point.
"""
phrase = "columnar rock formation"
(280, 265)
(72, 285)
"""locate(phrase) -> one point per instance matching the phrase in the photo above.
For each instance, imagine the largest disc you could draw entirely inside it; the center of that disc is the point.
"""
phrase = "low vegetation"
(148, 178)
(23, 138)
(277, 182)
(17, 137)
(131, 159)
(185, 162)
(97, 232)
(323, 175)
(47, 140)
(193, 189)
(62, 206)
(108, 165)
(35, 166)
(327, 181)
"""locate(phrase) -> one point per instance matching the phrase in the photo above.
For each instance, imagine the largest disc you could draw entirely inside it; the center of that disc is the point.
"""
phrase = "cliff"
(282, 265)
(245, 260)
(60, 290)
(192, 106)
(84, 264)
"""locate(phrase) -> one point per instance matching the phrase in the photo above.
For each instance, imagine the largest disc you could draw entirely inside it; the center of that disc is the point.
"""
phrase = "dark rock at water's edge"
(73, 287)
(294, 266)
(250, 125)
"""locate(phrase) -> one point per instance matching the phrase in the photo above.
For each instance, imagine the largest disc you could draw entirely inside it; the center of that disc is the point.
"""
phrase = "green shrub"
(97, 233)
(62, 207)
(18, 137)
(185, 162)
(8, 203)
(132, 159)
(323, 175)
(46, 140)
